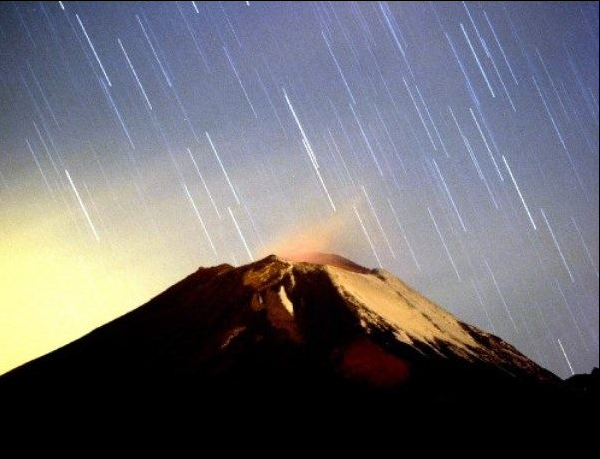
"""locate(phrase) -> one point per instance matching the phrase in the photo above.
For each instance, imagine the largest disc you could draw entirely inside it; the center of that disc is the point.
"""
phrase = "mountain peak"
(311, 322)
(379, 303)
(327, 259)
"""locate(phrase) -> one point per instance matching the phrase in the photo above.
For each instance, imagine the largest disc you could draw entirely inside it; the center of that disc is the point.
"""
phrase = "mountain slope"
(278, 329)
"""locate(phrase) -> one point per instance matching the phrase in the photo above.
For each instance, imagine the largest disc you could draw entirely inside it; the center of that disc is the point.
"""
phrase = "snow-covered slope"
(380, 302)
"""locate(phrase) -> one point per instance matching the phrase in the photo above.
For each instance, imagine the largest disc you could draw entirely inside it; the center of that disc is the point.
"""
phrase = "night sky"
(453, 144)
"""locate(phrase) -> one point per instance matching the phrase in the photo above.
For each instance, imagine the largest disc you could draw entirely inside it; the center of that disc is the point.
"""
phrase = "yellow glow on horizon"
(51, 295)
(54, 289)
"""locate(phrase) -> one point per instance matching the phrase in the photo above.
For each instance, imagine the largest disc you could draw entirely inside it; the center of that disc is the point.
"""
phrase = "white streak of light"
(566, 358)
(365, 138)
(412, 253)
(135, 74)
(204, 183)
(512, 177)
(419, 113)
(240, 82)
(93, 49)
(38, 166)
(222, 167)
(200, 219)
(477, 59)
(481, 303)
(387, 241)
(554, 125)
(308, 148)
(164, 72)
(501, 48)
(338, 67)
(486, 144)
(444, 243)
(587, 251)
(560, 252)
(501, 295)
(240, 234)
(450, 196)
(367, 236)
(85, 212)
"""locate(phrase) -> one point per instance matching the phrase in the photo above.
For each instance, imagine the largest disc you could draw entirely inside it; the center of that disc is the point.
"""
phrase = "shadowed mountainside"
(291, 335)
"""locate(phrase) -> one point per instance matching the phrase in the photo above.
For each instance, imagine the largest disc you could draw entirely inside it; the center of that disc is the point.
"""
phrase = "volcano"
(314, 332)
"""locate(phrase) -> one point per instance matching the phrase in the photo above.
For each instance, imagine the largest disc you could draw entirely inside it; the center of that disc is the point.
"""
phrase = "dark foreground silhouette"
(291, 340)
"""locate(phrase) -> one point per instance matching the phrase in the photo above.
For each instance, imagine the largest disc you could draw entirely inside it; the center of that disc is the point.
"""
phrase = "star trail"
(453, 144)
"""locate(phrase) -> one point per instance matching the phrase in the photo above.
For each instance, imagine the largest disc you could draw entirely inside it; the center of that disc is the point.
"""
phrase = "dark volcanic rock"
(288, 336)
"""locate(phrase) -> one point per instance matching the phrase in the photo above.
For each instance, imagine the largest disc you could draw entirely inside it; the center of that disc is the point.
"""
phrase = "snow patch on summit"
(285, 300)
(280, 312)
